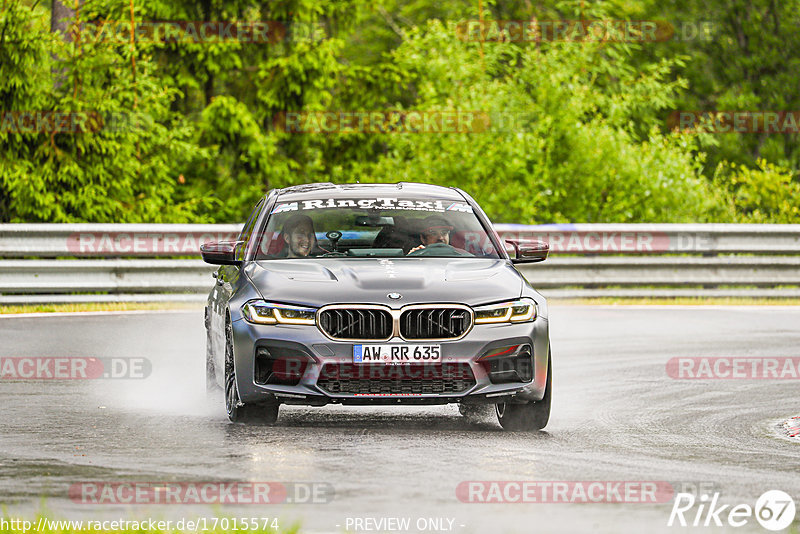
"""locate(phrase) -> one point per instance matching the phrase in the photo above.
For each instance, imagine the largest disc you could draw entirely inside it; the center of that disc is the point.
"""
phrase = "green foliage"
(766, 194)
(565, 143)
(123, 167)
(742, 55)
(244, 165)
(577, 133)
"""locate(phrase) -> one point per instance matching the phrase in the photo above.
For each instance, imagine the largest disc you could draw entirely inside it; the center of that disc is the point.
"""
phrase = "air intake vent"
(413, 379)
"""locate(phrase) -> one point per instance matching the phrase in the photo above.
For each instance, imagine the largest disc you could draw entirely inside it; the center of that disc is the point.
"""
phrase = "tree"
(566, 141)
(101, 146)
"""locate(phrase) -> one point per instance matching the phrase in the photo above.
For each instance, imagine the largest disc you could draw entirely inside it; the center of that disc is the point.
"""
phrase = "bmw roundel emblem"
(394, 296)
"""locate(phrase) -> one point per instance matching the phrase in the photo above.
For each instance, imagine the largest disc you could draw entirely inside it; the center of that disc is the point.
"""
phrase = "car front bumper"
(321, 355)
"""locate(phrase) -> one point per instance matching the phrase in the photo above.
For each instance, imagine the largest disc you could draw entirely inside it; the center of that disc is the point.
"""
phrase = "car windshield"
(373, 227)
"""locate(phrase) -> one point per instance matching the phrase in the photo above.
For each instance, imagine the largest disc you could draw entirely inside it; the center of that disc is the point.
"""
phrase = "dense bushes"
(576, 132)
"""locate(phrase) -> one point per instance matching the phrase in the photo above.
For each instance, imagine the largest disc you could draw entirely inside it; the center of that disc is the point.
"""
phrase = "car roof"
(405, 189)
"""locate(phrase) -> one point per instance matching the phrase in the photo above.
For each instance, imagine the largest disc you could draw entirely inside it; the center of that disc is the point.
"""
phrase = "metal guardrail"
(590, 260)
(109, 240)
(705, 239)
(153, 240)
(114, 276)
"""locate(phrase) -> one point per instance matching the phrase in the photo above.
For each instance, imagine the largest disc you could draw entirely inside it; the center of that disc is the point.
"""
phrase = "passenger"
(298, 233)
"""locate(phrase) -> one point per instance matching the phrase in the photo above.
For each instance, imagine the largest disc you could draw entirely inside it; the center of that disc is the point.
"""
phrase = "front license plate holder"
(397, 354)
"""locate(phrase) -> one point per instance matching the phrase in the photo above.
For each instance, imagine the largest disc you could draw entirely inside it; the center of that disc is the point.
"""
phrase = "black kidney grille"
(434, 323)
(356, 323)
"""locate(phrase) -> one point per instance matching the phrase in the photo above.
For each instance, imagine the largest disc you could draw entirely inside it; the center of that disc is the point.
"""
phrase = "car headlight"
(518, 311)
(263, 312)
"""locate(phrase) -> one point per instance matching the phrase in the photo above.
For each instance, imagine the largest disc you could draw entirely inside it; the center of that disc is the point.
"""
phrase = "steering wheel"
(438, 249)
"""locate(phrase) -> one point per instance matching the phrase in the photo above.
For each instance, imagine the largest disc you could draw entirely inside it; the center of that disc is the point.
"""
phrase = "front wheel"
(531, 416)
(238, 412)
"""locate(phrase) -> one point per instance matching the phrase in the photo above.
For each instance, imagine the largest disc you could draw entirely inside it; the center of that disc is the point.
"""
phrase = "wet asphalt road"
(616, 416)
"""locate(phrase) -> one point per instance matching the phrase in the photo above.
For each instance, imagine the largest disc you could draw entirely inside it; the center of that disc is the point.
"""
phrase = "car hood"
(316, 282)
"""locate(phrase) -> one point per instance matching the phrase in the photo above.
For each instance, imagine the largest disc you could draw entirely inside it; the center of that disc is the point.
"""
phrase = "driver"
(298, 233)
(435, 229)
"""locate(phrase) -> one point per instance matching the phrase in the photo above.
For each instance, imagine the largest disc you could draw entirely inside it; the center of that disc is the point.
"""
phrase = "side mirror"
(529, 251)
(220, 252)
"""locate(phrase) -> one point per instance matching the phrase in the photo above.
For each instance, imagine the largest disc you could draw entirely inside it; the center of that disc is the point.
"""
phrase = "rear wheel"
(238, 412)
(531, 416)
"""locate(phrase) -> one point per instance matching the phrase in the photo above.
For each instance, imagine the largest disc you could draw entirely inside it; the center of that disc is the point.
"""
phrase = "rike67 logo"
(774, 510)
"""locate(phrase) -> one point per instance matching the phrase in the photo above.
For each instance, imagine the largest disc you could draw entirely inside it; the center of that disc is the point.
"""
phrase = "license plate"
(397, 354)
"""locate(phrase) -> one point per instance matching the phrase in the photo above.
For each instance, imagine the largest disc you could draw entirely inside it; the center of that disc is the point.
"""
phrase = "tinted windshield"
(373, 227)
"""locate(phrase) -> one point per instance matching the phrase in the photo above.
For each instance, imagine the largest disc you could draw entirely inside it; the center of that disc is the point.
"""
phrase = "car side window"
(247, 229)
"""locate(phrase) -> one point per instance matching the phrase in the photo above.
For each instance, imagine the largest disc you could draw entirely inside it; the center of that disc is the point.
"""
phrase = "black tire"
(238, 412)
(531, 416)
